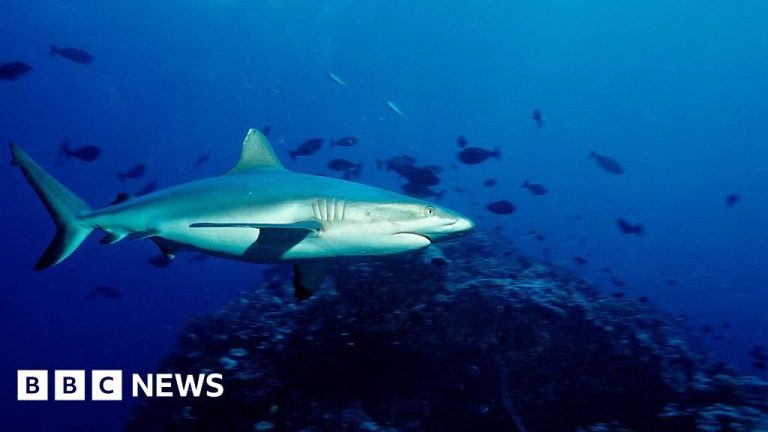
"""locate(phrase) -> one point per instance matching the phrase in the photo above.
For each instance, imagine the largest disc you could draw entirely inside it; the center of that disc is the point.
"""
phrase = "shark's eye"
(430, 211)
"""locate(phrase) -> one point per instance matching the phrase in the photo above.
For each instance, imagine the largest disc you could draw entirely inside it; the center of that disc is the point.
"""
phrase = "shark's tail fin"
(63, 206)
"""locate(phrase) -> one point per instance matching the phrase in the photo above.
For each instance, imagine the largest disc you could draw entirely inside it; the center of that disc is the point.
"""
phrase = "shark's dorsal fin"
(257, 154)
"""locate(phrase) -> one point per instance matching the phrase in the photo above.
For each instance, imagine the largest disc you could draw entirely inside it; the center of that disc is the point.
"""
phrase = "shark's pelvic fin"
(257, 153)
(308, 276)
(62, 204)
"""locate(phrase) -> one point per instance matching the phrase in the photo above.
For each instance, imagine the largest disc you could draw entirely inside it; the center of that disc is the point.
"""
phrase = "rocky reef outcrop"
(481, 340)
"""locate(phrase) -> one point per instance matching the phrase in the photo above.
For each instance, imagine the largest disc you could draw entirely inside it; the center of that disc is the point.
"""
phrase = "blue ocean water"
(673, 90)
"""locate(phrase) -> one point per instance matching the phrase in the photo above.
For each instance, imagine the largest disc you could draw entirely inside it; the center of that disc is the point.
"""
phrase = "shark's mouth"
(424, 236)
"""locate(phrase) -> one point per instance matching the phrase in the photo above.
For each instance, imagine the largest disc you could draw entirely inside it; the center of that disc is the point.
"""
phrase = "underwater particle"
(307, 148)
(238, 352)
(104, 291)
(732, 199)
(263, 426)
(87, 153)
(396, 109)
(535, 188)
(538, 118)
(227, 363)
(344, 142)
(336, 79)
(628, 228)
(72, 54)
(501, 207)
(489, 182)
(476, 155)
(136, 171)
(11, 71)
(607, 164)
(579, 260)
(203, 158)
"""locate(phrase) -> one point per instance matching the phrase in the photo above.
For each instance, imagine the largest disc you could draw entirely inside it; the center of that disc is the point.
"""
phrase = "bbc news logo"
(107, 385)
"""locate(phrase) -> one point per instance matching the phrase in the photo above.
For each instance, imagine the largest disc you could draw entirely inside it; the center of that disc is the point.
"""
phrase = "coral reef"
(484, 340)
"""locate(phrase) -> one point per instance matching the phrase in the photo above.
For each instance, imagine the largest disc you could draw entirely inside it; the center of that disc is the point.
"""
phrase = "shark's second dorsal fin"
(257, 154)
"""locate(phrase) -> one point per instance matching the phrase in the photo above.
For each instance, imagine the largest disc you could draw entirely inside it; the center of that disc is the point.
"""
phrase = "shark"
(257, 212)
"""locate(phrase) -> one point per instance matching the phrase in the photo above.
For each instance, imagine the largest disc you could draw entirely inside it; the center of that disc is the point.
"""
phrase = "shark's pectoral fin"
(257, 154)
(169, 249)
(308, 276)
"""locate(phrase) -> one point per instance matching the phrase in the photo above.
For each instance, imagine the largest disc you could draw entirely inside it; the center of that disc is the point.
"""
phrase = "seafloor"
(485, 341)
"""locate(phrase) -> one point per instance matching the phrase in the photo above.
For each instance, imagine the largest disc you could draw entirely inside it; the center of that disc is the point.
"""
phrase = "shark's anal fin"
(308, 276)
(257, 154)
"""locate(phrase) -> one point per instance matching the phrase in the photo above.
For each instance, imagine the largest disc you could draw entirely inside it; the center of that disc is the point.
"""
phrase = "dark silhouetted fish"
(706, 328)
(580, 260)
(501, 207)
(461, 141)
(760, 365)
(13, 70)
(616, 281)
(147, 189)
(349, 168)
(489, 182)
(537, 235)
(201, 160)
(307, 148)
(732, 199)
(88, 153)
(607, 164)
(398, 163)
(104, 291)
(266, 130)
(535, 189)
(344, 142)
(476, 155)
(628, 228)
(422, 176)
(437, 169)
(537, 117)
(421, 191)
(671, 282)
(159, 261)
(72, 54)
(617, 294)
(135, 172)
(642, 299)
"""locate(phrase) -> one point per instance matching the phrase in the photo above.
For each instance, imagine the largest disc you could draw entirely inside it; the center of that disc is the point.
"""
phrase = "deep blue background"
(675, 90)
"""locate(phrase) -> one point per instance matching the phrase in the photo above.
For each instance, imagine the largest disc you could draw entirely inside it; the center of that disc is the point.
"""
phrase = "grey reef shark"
(257, 212)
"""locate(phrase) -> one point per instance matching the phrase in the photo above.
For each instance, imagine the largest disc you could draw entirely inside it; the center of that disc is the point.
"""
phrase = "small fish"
(681, 318)
(537, 117)
(344, 142)
(203, 158)
(536, 235)
(104, 291)
(628, 228)
(307, 148)
(266, 130)
(461, 141)
(159, 261)
(396, 109)
(421, 191)
(760, 365)
(13, 70)
(349, 168)
(642, 299)
(489, 182)
(73, 54)
(580, 260)
(476, 155)
(398, 164)
(617, 282)
(671, 282)
(336, 79)
(501, 207)
(732, 199)
(135, 172)
(617, 294)
(437, 169)
(88, 153)
(535, 189)
(706, 328)
(147, 189)
(607, 164)
(422, 176)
